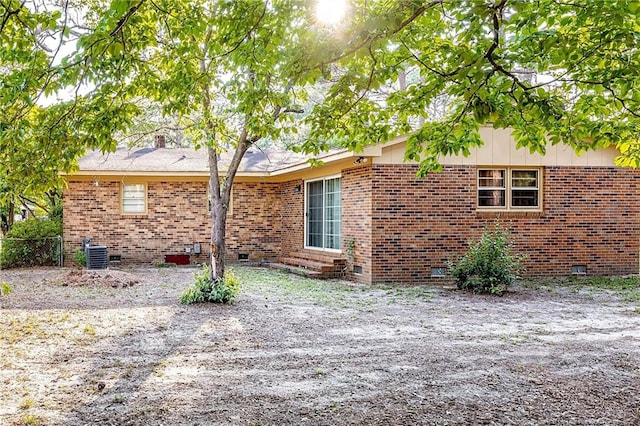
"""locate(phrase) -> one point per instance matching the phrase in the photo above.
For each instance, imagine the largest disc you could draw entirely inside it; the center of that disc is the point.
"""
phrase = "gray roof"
(184, 160)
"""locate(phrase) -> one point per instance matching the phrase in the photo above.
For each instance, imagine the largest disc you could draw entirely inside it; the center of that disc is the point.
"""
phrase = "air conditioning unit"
(96, 257)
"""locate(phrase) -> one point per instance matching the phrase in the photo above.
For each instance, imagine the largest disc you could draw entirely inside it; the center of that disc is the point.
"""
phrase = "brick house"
(365, 213)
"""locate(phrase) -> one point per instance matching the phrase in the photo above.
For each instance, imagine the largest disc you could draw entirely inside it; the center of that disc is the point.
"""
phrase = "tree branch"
(8, 14)
(431, 69)
(496, 18)
(372, 38)
(248, 34)
(121, 23)
(622, 101)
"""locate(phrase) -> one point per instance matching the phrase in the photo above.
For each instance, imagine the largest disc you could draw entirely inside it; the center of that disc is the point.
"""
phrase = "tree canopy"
(40, 136)
(566, 71)
(552, 70)
(232, 73)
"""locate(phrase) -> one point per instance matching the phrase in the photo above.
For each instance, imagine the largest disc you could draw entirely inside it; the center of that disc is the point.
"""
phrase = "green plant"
(80, 257)
(26, 404)
(30, 419)
(33, 242)
(205, 289)
(5, 288)
(489, 265)
(56, 212)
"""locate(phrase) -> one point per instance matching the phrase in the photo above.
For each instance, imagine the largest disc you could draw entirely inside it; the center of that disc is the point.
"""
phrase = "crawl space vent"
(579, 270)
(438, 272)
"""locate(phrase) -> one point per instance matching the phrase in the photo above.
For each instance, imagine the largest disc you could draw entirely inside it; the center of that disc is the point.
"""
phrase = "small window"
(509, 189)
(134, 198)
(492, 188)
(524, 188)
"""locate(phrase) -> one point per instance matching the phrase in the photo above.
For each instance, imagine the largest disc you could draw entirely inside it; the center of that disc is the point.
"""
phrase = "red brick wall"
(356, 219)
(177, 217)
(591, 217)
(253, 227)
(291, 221)
(401, 226)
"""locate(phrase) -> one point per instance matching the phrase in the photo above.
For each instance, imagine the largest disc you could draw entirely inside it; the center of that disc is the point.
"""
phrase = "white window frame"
(305, 183)
(509, 188)
(123, 191)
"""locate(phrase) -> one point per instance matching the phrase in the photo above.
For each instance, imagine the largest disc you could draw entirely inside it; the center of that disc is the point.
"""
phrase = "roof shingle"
(184, 160)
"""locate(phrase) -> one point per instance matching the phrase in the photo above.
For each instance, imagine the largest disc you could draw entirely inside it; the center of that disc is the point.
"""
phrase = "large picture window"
(509, 189)
(323, 214)
(134, 198)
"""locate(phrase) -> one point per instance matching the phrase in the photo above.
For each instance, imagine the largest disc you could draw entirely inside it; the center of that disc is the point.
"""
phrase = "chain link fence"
(29, 252)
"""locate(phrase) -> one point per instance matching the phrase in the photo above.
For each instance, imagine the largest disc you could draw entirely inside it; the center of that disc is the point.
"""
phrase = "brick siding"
(401, 227)
(591, 217)
(356, 220)
(177, 217)
(291, 216)
(253, 227)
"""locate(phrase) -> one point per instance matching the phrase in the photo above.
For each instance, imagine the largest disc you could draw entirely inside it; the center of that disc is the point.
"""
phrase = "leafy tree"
(25, 68)
(36, 204)
(39, 136)
(551, 70)
(235, 73)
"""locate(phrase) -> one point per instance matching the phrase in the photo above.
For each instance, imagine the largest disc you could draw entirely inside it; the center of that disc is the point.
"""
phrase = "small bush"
(5, 288)
(31, 242)
(80, 257)
(56, 212)
(205, 290)
(489, 266)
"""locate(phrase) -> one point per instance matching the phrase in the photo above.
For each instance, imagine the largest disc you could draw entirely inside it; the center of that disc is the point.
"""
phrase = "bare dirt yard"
(116, 348)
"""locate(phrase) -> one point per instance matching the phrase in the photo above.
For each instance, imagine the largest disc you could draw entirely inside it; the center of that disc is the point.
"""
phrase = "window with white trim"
(134, 198)
(509, 189)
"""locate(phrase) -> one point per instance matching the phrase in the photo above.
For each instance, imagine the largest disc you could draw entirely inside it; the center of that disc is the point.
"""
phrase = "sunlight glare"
(330, 12)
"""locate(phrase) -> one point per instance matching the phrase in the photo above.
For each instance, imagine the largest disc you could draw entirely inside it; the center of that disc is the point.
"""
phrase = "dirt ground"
(120, 350)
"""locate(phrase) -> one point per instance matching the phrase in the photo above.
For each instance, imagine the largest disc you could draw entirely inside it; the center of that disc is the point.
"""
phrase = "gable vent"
(96, 257)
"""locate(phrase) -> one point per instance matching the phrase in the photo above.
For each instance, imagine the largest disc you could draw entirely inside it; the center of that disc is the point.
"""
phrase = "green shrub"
(5, 288)
(204, 289)
(80, 257)
(489, 265)
(33, 242)
(56, 212)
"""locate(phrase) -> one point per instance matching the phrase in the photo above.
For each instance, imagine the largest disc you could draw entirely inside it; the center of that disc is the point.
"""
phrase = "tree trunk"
(219, 206)
(7, 221)
(218, 226)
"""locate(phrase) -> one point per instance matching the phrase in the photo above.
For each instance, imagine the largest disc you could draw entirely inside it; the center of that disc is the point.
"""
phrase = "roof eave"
(369, 151)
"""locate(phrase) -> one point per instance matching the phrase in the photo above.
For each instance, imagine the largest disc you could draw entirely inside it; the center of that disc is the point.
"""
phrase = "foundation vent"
(579, 270)
(438, 272)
